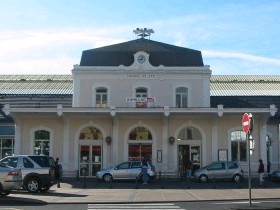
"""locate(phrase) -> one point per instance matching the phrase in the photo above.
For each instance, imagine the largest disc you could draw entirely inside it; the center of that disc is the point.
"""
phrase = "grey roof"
(220, 85)
(245, 85)
(36, 84)
(159, 54)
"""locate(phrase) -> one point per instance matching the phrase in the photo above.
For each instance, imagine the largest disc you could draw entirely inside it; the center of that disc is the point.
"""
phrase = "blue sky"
(236, 37)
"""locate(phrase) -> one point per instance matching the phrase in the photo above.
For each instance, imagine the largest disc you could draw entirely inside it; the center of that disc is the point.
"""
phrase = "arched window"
(42, 142)
(181, 97)
(189, 133)
(91, 133)
(140, 133)
(101, 97)
(140, 144)
(238, 146)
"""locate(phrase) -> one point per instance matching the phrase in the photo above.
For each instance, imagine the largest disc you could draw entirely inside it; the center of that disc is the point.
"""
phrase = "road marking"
(146, 206)
(246, 202)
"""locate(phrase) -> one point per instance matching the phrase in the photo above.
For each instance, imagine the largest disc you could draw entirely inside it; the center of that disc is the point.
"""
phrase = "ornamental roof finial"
(143, 32)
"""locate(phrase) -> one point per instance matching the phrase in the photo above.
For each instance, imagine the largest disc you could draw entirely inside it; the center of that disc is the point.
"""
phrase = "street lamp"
(268, 144)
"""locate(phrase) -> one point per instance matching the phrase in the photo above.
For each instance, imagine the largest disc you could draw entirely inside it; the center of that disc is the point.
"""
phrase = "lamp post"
(268, 145)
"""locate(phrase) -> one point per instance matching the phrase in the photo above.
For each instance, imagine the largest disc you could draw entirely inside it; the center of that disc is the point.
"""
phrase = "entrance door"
(188, 153)
(90, 160)
(183, 159)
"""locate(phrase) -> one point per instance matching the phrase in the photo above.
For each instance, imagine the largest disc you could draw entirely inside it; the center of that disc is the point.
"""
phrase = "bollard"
(162, 183)
(214, 181)
(84, 182)
(77, 175)
(137, 182)
(111, 184)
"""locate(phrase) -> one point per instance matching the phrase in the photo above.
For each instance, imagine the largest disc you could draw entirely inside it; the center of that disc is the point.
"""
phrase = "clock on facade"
(141, 59)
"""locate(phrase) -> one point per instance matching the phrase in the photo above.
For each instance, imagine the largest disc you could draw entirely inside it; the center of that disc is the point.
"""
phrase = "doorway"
(90, 160)
(188, 153)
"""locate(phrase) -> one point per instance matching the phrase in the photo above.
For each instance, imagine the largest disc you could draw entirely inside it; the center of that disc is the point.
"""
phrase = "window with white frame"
(141, 92)
(238, 146)
(101, 97)
(41, 142)
(7, 140)
(181, 97)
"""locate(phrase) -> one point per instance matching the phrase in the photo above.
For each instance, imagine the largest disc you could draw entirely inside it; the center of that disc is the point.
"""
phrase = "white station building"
(140, 98)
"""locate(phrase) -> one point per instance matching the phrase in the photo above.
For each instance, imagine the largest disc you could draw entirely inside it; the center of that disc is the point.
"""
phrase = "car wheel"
(107, 178)
(45, 189)
(236, 178)
(5, 193)
(203, 178)
(33, 184)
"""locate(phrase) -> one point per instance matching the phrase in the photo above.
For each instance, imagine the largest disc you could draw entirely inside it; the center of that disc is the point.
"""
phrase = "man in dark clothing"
(261, 171)
(144, 164)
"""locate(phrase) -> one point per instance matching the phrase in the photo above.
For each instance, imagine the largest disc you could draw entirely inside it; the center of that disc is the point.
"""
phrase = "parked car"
(38, 171)
(274, 176)
(125, 170)
(10, 179)
(220, 170)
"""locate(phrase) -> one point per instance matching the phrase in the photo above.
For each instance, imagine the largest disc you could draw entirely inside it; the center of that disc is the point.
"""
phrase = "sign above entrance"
(142, 102)
(247, 123)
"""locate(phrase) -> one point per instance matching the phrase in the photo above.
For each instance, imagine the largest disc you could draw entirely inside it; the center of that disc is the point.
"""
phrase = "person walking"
(144, 164)
(189, 169)
(261, 172)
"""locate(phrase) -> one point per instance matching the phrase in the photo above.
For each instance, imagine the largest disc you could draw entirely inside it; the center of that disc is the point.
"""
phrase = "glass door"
(90, 160)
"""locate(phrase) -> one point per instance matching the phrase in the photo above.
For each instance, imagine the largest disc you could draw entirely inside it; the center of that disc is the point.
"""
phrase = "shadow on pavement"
(171, 183)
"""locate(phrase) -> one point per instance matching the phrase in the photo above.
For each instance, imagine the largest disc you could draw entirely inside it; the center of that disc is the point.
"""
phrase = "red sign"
(246, 123)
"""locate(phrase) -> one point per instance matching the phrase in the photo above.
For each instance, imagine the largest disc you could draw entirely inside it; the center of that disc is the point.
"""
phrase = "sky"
(236, 37)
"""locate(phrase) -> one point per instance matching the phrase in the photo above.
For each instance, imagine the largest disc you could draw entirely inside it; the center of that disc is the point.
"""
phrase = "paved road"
(168, 190)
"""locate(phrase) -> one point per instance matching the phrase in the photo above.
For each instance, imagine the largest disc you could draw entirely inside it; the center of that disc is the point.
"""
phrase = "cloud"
(241, 56)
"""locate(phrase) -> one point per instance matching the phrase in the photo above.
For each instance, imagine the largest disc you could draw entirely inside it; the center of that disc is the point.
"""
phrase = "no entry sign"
(246, 123)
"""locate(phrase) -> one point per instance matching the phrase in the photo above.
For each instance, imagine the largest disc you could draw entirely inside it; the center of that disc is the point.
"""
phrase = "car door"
(121, 171)
(217, 170)
(135, 170)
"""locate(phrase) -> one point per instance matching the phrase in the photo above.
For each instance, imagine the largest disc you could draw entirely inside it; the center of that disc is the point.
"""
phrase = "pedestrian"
(144, 164)
(57, 172)
(261, 172)
(189, 169)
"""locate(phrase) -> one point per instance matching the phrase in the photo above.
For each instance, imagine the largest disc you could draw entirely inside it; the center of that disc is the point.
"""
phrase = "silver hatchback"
(125, 170)
(10, 179)
(220, 170)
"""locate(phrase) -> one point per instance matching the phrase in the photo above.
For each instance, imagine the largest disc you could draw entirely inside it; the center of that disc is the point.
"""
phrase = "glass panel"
(134, 152)
(96, 159)
(140, 133)
(234, 151)
(42, 134)
(91, 133)
(84, 161)
(243, 151)
(146, 151)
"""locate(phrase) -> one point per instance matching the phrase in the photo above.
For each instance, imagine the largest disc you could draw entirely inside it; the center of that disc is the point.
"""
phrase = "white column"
(17, 146)
(214, 142)
(165, 144)
(66, 149)
(115, 143)
(262, 140)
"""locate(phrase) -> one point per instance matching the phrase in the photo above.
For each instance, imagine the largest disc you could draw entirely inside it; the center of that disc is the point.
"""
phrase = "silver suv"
(125, 170)
(220, 170)
(38, 171)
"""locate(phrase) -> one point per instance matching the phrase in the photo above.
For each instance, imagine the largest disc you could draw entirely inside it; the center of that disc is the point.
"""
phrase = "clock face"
(141, 59)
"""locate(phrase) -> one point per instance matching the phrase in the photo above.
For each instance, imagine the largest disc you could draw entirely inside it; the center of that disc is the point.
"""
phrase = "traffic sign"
(246, 123)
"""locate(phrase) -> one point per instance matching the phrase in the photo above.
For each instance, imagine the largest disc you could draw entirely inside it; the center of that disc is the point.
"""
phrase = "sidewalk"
(92, 191)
